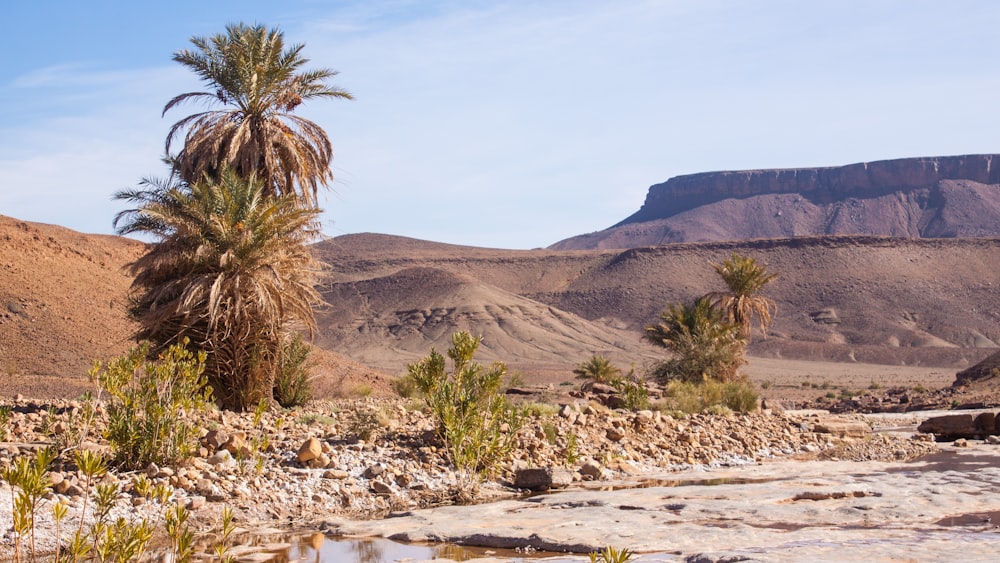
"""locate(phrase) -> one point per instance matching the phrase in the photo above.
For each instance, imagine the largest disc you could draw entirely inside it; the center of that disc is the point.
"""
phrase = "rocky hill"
(62, 306)
(957, 196)
(869, 299)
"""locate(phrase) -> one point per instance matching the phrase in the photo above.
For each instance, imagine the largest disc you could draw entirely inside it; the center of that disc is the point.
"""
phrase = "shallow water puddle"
(318, 548)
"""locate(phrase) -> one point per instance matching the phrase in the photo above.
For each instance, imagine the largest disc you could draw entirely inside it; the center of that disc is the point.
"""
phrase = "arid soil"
(853, 313)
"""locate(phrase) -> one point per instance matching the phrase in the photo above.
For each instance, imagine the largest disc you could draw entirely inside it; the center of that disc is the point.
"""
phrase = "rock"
(195, 502)
(381, 488)
(843, 428)
(221, 457)
(311, 449)
(373, 471)
(591, 469)
(215, 439)
(615, 434)
(961, 443)
(993, 440)
(237, 444)
(949, 427)
(542, 478)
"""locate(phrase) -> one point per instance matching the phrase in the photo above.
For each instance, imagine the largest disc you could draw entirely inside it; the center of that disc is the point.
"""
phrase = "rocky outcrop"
(913, 197)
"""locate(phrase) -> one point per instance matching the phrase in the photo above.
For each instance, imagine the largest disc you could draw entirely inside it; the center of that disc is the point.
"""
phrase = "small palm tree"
(705, 345)
(258, 81)
(598, 368)
(232, 270)
(742, 303)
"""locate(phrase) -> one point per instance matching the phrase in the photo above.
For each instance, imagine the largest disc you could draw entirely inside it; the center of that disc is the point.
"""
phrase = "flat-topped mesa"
(819, 185)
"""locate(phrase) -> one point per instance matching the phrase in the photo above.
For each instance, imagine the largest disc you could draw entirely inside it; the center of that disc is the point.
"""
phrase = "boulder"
(311, 449)
(842, 428)
(965, 425)
(542, 478)
(950, 426)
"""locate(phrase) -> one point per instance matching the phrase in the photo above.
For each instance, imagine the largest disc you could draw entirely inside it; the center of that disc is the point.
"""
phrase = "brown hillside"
(389, 321)
(62, 306)
(870, 299)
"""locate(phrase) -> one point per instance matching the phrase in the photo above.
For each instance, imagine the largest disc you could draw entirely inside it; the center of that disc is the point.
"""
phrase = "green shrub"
(540, 410)
(633, 391)
(693, 398)
(474, 419)
(740, 396)
(150, 404)
(292, 382)
(598, 368)
(704, 344)
(611, 555)
(404, 386)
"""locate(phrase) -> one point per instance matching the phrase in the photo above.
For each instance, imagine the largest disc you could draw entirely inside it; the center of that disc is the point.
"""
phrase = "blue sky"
(505, 124)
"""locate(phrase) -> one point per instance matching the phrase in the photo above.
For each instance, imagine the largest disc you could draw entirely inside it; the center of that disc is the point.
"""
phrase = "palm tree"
(705, 345)
(742, 303)
(598, 368)
(258, 81)
(232, 270)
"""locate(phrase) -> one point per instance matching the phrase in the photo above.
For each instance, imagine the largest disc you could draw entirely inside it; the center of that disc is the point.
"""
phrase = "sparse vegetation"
(704, 344)
(598, 368)
(232, 270)
(742, 303)
(475, 421)
(693, 398)
(633, 391)
(150, 403)
(611, 555)
(292, 381)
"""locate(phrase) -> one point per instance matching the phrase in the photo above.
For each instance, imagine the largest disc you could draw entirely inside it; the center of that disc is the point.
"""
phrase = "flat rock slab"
(780, 511)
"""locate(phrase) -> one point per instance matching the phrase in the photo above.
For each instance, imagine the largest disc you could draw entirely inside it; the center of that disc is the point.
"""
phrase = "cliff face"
(950, 196)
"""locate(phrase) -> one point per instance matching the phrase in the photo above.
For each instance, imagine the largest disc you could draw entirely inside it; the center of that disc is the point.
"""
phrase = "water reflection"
(318, 548)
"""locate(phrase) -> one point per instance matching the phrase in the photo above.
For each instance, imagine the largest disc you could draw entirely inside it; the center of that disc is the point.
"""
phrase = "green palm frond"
(232, 270)
(745, 278)
(255, 81)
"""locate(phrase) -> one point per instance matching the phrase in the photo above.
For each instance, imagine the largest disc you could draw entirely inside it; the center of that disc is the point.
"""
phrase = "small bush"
(404, 386)
(540, 410)
(150, 404)
(704, 344)
(292, 382)
(598, 368)
(633, 391)
(693, 398)
(474, 419)
(367, 424)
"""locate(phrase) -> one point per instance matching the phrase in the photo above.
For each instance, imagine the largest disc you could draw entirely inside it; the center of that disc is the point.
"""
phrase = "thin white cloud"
(514, 124)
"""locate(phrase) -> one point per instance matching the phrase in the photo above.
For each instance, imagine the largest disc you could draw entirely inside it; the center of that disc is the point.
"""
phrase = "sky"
(505, 124)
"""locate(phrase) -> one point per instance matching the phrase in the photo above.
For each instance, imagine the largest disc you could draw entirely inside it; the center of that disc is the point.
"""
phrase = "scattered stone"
(215, 439)
(311, 449)
(542, 478)
(195, 502)
(381, 488)
(591, 469)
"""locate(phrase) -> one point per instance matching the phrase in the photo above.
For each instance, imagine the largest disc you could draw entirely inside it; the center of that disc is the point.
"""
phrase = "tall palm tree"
(231, 270)
(744, 277)
(705, 345)
(258, 81)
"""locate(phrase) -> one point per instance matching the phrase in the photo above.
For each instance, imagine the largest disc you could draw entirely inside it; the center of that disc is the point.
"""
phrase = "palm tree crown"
(744, 277)
(705, 345)
(259, 82)
(231, 269)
